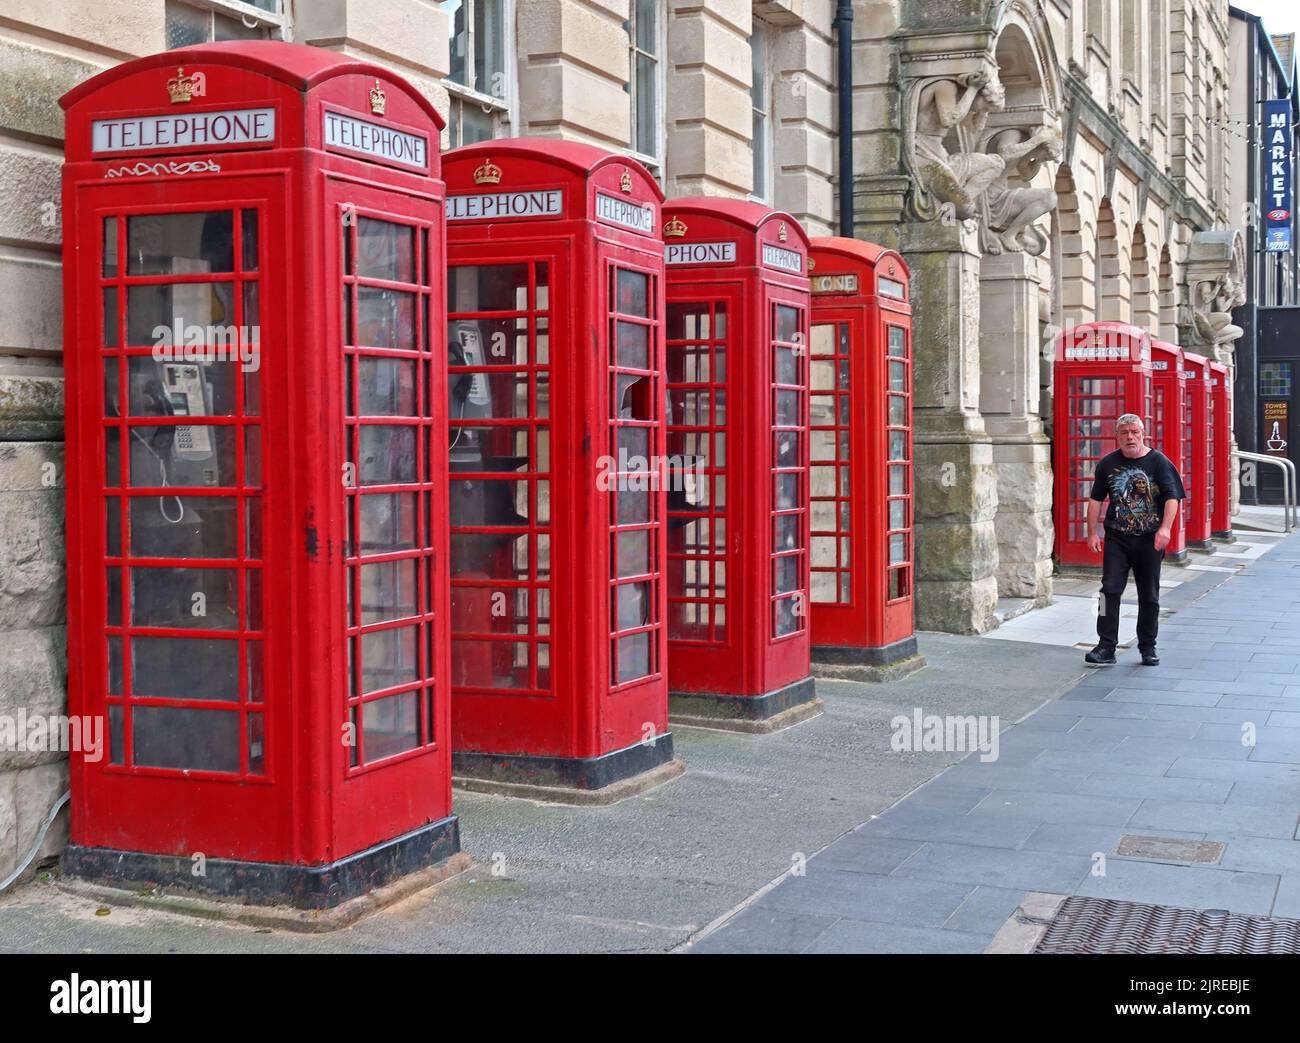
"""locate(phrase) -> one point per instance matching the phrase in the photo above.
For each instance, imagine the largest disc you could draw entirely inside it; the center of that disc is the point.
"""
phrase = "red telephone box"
(737, 371)
(253, 272)
(1197, 484)
(1169, 425)
(1102, 370)
(861, 460)
(1220, 453)
(555, 305)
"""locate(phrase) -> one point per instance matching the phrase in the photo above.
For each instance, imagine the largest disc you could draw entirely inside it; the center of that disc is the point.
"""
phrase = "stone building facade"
(1039, 162)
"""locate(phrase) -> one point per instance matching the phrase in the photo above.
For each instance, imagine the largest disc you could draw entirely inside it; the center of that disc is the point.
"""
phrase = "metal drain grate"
(1102, 925)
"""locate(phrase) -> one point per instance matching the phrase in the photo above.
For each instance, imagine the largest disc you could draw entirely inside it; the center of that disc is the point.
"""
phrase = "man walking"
(1144, 489)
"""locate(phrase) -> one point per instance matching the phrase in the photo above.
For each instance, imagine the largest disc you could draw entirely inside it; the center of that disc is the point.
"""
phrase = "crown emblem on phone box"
(182, 88)
(675, 227)
(488, 173)
(377, 99)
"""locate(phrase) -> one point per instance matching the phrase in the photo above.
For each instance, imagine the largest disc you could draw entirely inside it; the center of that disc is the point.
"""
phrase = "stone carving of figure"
(1010, 213)
(962, 104)
(1212, 311)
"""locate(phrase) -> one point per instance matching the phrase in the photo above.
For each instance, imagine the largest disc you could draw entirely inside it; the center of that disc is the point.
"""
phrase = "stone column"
(1022, 454)
(956, 491)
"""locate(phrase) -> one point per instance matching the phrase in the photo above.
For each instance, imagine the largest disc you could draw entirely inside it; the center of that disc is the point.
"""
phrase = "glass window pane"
(646, 106)
(385, 318)
(388, 658)
(181, 455)
(110, 247)
(191, 527)
(172, 737)
(180, 388)
(489, 48)
(633, 293)
(497, 287)
(180, 244)
(183, 315)
(897, 342)
(787, 323)
(633, 654)
(248, 221)
(387, 522)
(387, 455)
(897, 479)
(385, 250)
(202, 599)
(385, 387)
(391, 725)
(646, 25)
(185, 25)
(633, 346)
(185, 668)
(457, 15)
(388, 590)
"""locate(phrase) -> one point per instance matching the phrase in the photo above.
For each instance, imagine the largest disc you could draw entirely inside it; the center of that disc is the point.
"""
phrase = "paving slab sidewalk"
(1205, 746)
(646, 874)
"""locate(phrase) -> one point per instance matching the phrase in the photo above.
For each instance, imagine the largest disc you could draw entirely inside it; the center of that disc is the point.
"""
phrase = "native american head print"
(1133, 494)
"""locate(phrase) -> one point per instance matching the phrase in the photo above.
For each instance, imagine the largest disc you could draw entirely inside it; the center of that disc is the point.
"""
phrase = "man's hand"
(1163, 536)
(1095, 538)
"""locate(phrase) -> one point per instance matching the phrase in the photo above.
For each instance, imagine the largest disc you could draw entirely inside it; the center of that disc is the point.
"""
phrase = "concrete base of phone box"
(611, 777)
(768, 712)
(875, 663)
(309, 897)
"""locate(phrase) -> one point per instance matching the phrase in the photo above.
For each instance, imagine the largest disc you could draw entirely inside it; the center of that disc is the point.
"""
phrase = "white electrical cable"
(40, 839)
(162, 471)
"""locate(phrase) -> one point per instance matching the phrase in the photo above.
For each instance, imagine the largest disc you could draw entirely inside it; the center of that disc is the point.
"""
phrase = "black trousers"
(1120, 553)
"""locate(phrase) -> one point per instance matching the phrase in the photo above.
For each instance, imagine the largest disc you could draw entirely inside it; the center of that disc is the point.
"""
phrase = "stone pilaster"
(956, 491)
(709, 106)
(1009, 393)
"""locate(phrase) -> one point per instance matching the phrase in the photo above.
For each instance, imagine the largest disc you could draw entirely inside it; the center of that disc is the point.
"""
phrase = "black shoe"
(1149, 658)
(1100, 656)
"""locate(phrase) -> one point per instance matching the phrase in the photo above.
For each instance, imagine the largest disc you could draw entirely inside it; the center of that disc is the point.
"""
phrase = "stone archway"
(1111, 275)
(1144, 305)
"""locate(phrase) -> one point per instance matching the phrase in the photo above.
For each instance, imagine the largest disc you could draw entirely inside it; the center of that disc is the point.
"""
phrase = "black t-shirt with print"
(1137, 490)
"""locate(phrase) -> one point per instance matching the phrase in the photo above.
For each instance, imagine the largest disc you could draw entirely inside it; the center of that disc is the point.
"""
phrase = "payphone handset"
(469, 390)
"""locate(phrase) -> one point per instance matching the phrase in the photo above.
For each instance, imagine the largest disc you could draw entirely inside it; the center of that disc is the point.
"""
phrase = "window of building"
(1275, 379)
(206, 21)
(480, 84)
(760, 96)
(645, 80)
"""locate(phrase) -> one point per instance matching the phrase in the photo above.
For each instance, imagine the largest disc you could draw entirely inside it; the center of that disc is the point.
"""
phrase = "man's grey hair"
(1129, 418)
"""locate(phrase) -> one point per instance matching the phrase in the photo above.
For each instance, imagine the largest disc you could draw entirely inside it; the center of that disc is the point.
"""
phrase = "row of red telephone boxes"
(1105, 369)
(665, 452)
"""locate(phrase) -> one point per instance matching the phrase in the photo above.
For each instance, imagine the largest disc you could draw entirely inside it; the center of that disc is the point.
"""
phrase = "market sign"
(1277, 175)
